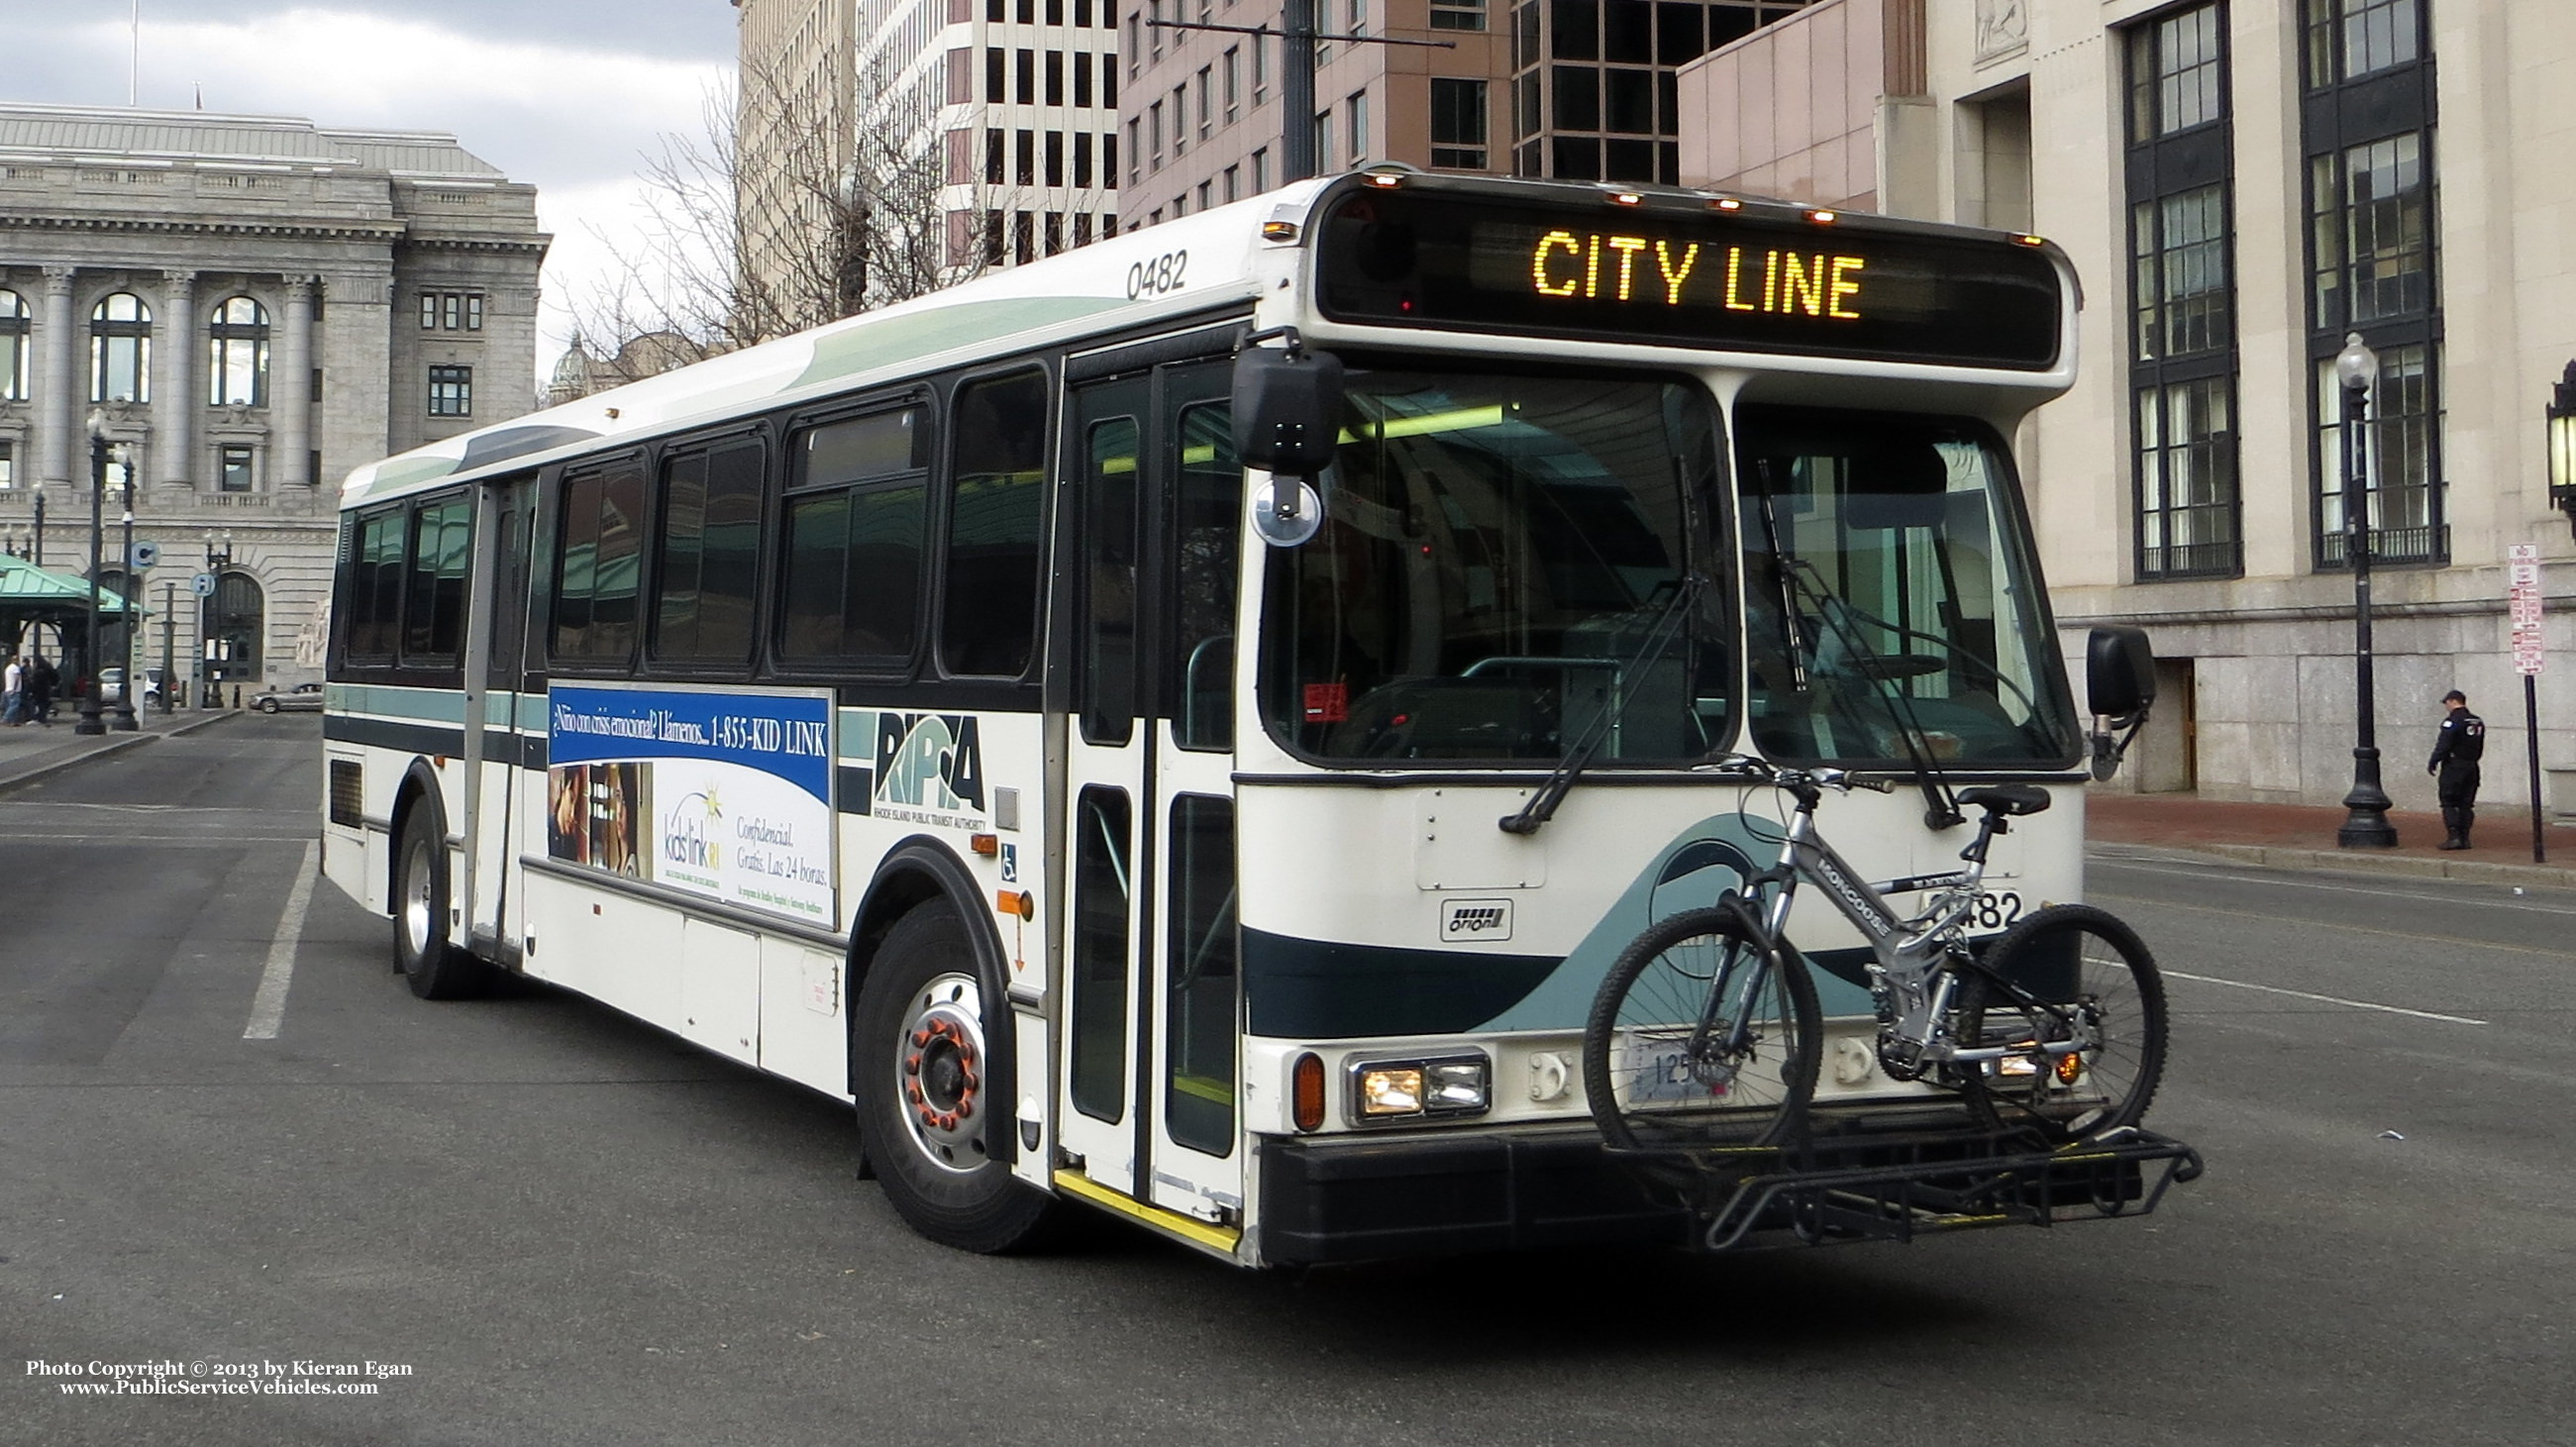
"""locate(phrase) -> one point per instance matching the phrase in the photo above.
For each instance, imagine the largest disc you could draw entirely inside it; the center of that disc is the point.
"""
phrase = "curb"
(114, 744)
(2317, 861)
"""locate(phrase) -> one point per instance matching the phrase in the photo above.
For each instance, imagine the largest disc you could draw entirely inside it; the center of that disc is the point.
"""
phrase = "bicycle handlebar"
(1764, 771)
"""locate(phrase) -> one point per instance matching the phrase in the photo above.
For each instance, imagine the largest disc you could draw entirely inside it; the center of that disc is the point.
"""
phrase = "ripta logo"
(930, 761)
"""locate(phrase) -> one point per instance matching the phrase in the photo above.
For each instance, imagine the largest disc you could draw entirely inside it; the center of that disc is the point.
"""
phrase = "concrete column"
(290, 389)
(178, 335)
(60, 395)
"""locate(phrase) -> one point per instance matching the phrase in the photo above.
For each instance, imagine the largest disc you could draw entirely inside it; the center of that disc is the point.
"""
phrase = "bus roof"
(1074, 290)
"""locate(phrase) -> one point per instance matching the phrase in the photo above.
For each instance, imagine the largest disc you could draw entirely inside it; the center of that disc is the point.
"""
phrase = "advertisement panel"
(721, 793)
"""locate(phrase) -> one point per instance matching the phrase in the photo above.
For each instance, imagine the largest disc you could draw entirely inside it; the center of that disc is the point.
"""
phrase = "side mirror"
(2119, 685)
(2119, 672)
(1287, 407)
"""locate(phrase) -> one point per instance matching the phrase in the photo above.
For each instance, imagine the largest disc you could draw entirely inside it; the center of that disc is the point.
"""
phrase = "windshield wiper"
(1941, 810)
(1542, 805)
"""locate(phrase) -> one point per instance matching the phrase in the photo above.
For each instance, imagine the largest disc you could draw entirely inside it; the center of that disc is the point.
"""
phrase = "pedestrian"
(2456, 751)
(42, 678)
(13, 694)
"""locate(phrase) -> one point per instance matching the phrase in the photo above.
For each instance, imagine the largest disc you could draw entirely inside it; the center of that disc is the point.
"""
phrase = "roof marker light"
(1278, 230)
(1727, 203)
(1385, 182)
(1626, 198)
(2032, 240)
(1822, 217)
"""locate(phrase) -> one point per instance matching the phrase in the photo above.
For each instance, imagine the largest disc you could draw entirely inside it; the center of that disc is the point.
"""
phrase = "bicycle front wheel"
(2068, 975)
(1699, 1039)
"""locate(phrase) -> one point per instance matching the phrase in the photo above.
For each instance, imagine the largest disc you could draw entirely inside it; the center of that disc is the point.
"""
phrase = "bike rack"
(1882, 1186)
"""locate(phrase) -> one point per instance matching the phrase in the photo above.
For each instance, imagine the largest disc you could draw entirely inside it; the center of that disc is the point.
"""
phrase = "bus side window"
(441, 551)
(852, 591)
(997, 496)
(707, 554)
(597, 549)
(374, 605)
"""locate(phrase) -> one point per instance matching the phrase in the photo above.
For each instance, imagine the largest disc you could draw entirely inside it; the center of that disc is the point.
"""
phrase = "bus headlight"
(1387, 1090)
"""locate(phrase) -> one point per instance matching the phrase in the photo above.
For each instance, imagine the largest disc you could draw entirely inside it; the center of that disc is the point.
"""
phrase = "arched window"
(120, 349)
(238, 617)
(13, 347)
(239, 376)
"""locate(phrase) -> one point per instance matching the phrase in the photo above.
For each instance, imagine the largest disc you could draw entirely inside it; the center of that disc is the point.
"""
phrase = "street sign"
(203, 585)
(2522, 578)
(143, 556)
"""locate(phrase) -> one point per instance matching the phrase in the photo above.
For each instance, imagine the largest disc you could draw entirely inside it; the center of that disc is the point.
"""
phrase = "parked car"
(111, 684)
(302, 698)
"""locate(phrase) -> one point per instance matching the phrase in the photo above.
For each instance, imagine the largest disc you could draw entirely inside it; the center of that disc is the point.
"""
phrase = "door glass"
(1199, 1101)
(1207, 523)
(1109, 582)
(1100, 913)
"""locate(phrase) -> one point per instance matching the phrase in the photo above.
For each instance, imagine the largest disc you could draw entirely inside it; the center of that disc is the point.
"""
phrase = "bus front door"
(494, 749)
(1151, 1019)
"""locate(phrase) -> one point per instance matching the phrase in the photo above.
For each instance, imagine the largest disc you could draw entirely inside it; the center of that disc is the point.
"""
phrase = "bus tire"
(435, 969)
(923, 1106)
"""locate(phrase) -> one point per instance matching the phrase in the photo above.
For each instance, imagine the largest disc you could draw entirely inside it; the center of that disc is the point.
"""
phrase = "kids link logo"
(687, 841)
(930, 762)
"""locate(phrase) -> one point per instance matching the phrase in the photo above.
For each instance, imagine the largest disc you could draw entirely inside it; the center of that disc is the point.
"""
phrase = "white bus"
(937, 710)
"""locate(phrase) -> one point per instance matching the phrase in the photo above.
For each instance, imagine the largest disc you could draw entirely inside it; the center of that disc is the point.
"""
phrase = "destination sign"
(1716, 280)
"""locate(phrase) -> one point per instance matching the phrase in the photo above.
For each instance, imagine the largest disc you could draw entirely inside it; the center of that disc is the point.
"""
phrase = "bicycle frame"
(1916, 963)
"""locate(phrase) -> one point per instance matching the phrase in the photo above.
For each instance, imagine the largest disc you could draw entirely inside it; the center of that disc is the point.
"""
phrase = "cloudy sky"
(566, 95)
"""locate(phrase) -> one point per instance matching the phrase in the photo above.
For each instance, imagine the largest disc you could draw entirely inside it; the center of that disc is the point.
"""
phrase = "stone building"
(246, 307)
(2242, 185)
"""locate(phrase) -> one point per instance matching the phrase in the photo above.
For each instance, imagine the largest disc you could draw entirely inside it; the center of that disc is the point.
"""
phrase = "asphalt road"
(567, 1228)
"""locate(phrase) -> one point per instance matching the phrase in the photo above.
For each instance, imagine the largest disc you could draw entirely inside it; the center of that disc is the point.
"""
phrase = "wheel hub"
(939, 1079)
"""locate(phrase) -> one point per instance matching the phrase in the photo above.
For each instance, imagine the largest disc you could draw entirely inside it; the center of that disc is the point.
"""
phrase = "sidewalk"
(32, 751)
(2299, 836)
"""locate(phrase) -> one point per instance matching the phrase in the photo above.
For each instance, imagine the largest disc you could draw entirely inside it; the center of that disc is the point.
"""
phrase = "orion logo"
(930, 761)
(1476, 919)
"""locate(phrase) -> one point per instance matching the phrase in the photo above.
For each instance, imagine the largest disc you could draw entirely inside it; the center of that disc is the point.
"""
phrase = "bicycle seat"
(2012, 799)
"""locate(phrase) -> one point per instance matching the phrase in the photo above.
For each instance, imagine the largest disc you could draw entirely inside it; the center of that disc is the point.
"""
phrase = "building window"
(1355, 111)
(233, 468)
(1234, 183)
(2368, 138)
(1458, 14)
(1260, 171)
(1324, 143)
(14, 326)
(1082, 79)
(239, 374)
(1055, 77)
(455, 311)
(1458, 124)
(120, 349)
(1233, 83)
(451, 391)
(2349, 39)
(1260, 69)
(8, 464)
(2182, 368)
(1207, 102)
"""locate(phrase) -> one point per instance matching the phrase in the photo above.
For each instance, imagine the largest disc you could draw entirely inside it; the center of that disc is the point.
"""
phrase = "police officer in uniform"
(2456, 751)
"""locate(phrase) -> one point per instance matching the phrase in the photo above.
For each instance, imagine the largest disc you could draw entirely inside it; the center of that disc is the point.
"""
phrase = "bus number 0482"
(1157, 276)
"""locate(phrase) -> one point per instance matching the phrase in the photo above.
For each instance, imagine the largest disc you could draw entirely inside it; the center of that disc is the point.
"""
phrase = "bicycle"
(1707, 1032)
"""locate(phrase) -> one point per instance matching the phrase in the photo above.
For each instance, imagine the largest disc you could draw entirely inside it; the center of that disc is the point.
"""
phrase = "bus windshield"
(1889, 588)
(1498, 566)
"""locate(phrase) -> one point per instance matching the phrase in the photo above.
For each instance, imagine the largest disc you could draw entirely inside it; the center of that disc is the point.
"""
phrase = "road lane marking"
(2446, 941)
(268, 1007)
(2271, 878)
(2322, 999)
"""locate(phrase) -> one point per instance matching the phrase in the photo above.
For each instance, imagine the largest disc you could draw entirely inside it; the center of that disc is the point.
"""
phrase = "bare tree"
(783, 213)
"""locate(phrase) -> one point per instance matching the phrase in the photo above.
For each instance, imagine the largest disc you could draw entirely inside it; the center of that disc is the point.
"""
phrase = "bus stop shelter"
(33, 601)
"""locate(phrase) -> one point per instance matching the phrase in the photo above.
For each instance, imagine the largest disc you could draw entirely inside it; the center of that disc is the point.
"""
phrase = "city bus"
(1182, 727)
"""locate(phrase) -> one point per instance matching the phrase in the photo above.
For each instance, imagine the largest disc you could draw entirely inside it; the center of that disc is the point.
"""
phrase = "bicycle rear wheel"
(1696, 1039)
(2083, 969)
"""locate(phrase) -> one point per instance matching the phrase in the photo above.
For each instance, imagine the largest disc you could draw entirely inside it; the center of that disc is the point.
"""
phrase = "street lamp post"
(2365, 824)
(90, 723)
(38, 557)
(124, 721)
(169, 622)
(2561, 416)
(210, 688)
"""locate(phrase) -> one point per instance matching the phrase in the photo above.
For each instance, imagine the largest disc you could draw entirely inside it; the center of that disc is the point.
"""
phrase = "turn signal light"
(2068, 1068)
(1306, 1092)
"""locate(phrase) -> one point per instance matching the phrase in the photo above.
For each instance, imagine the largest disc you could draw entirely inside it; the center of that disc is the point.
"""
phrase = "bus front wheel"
(927, 1114)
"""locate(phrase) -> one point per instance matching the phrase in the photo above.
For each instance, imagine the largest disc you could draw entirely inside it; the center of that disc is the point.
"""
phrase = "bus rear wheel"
(435, 969)
(928, 1117)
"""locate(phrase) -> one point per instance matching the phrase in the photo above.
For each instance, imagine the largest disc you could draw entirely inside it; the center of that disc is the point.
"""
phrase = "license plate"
(1659, 1071)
